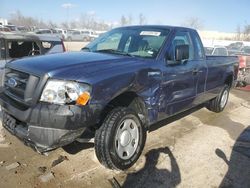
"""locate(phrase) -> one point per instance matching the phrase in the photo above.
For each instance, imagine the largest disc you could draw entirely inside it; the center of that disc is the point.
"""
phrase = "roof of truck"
(27, 36)
(159, 27)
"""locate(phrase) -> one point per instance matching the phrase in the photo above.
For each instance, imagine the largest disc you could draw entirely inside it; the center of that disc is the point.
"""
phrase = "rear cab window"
(199, 55)
(220, 52)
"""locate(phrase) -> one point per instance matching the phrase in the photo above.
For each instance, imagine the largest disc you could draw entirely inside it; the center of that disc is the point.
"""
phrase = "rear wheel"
(120, 140)
(219, 103)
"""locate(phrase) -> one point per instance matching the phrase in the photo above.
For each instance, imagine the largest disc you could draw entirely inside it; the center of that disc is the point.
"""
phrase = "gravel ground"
(74, 46)
(203, 149)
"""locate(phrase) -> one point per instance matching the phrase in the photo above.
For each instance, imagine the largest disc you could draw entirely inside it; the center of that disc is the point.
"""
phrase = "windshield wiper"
(112, 51)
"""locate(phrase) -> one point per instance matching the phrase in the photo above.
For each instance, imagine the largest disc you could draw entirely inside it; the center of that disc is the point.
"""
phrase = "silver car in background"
(216, 51)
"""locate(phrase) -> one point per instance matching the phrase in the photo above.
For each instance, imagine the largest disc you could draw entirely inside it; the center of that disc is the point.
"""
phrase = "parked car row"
(66, 35)
(81, 35)
(70, 35)
(4, 28)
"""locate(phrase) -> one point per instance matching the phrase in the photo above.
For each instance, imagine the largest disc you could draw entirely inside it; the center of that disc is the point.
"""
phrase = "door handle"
(196, 71)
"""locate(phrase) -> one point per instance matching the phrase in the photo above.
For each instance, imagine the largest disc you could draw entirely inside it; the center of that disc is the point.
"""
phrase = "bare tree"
(73, 25)
(65, 25)
(142, 19)
(18, 19)
(238, 33)
(124, 21)
(130, 19)
(52, 24)
(87, 21)
(246, 32)
(193, 22)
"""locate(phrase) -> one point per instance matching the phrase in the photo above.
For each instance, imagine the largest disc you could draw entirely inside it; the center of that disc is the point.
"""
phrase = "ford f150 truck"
(118, 86)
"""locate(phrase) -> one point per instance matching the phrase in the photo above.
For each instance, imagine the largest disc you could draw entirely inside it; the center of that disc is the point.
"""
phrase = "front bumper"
(41, 139)
(46, 126)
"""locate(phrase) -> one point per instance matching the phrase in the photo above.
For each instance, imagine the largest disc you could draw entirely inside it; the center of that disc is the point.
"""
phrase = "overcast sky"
(219, 15)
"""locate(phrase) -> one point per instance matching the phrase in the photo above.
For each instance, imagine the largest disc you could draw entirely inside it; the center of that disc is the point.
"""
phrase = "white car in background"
(90, 35)
(75, 35)
(81, 35)
(62, 34)
(216, 51)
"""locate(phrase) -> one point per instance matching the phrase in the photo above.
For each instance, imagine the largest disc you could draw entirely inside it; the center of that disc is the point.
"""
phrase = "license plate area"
(9, 122)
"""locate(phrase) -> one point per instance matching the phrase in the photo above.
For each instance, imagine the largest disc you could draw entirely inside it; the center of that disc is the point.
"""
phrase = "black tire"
(216, 104)
(106, 141)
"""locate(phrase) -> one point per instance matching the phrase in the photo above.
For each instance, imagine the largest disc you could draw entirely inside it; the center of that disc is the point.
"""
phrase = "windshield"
(139, 42)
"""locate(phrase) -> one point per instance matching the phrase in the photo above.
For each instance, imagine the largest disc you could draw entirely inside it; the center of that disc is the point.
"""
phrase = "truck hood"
(74, 65)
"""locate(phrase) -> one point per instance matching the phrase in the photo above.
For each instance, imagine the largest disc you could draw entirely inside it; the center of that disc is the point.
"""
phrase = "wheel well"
(229, 80)
(127, 99)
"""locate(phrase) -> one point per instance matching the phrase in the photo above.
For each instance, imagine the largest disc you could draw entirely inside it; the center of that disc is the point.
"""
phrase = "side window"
(198, 45)
(76, 33)
(126, 49)
(181, 38)
(18, 48)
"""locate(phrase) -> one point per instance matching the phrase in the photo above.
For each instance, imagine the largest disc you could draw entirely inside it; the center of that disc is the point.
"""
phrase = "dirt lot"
(203, 149)
(74, 46)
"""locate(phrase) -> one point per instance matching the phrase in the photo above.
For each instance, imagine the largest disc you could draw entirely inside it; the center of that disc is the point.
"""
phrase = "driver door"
(180, 80)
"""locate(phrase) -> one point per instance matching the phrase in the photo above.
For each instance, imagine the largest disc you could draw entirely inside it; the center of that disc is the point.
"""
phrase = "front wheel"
(120, 140)
(219, 103)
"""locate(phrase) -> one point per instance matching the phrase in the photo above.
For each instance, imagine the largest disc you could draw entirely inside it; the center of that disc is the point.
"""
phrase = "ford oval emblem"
(12, 82)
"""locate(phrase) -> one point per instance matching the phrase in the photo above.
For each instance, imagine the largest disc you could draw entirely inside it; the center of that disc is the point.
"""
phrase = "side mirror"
(181, 52)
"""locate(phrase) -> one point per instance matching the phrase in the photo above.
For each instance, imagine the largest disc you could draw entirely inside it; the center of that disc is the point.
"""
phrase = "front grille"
(21, 79)
(19, 85)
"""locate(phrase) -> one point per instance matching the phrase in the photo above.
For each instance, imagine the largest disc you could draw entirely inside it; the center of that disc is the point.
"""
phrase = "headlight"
(65, 92)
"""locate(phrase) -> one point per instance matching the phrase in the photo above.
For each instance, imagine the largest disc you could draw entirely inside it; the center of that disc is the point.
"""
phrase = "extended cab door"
(201, 69)
(181, 78)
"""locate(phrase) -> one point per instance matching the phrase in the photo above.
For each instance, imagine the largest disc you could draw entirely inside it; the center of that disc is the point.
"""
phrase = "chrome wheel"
(126, 139)
(224, 99)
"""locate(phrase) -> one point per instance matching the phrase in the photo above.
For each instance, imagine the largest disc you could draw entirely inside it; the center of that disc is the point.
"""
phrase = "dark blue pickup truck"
(116, 87)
